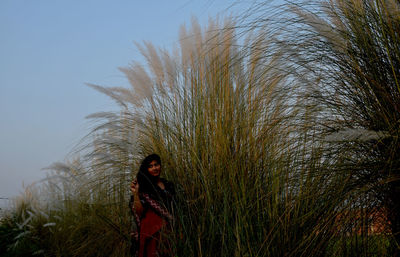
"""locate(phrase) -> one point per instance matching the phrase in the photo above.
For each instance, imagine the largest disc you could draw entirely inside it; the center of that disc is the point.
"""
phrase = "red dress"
(150, 232)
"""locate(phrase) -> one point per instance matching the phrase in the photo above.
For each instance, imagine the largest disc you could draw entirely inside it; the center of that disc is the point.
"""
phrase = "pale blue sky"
(49, 49)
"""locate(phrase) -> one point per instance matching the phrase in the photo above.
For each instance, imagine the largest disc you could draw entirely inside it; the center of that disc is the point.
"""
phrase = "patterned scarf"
(155, 206)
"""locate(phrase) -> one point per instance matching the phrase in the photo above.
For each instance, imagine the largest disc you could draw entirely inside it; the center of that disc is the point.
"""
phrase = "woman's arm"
(137, 205)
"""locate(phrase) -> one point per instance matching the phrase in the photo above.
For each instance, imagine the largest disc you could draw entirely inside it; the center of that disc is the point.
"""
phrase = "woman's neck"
(160, 184)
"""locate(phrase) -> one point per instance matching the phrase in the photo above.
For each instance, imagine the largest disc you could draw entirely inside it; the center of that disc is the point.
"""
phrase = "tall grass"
(230, 130)
(76, 211)
(346, 55)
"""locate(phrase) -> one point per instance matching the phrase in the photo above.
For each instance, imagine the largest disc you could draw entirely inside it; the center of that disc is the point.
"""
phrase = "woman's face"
(154, 168)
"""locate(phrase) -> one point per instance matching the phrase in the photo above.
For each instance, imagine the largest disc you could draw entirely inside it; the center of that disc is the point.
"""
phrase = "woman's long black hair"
(147, 182)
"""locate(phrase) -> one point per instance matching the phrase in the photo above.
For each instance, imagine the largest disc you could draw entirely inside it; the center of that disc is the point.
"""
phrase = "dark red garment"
(150, 231)
(154, 225)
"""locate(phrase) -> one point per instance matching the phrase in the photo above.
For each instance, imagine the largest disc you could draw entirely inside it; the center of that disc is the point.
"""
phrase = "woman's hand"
(136, 201)
(134, 187)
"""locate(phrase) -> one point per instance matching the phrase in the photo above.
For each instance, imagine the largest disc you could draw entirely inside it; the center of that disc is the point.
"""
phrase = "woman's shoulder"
(166, 182)
(169, 186)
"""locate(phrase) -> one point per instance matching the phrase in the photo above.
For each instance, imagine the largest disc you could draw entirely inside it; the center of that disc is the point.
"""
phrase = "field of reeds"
(280, 130)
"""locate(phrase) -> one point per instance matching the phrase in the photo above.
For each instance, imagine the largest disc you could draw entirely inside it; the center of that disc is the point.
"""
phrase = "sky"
(50, 49)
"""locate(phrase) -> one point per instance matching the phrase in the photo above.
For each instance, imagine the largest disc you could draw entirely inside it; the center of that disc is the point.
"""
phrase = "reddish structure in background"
(364, 221)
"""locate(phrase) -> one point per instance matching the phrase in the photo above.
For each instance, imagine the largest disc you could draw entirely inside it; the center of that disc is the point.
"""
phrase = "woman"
(151, 203)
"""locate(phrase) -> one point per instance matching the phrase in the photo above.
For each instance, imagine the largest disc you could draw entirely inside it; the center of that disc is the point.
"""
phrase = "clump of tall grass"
(71, 213)
(346, 54)
(227, 124)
